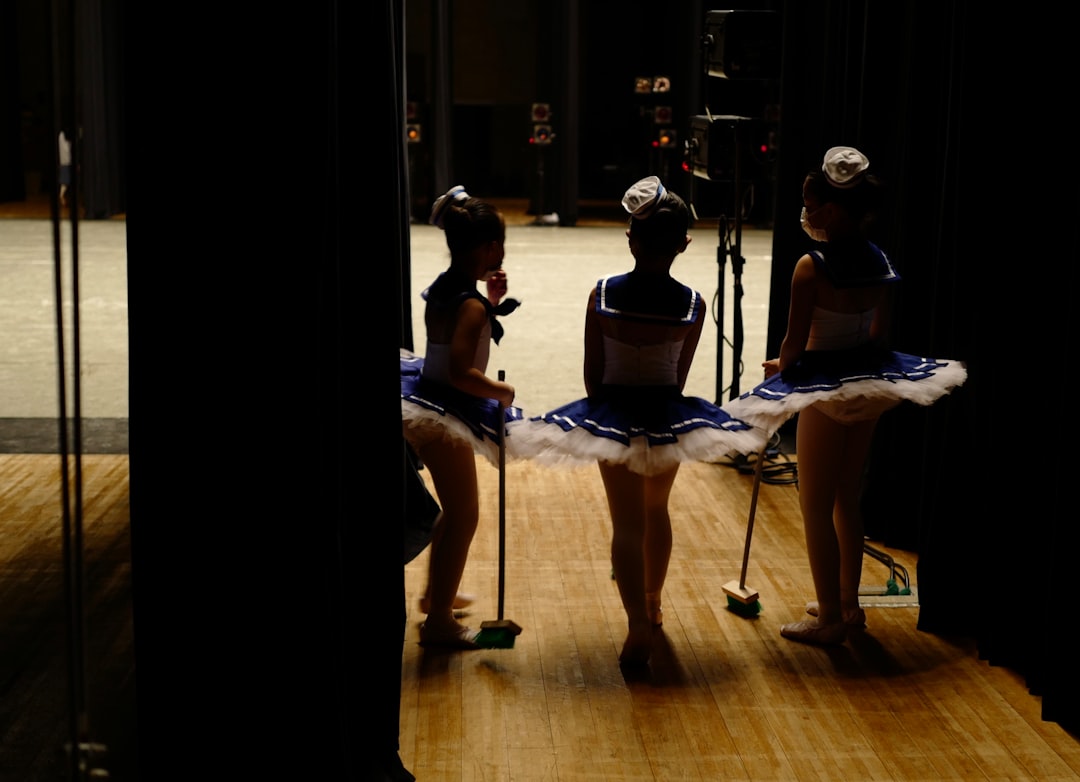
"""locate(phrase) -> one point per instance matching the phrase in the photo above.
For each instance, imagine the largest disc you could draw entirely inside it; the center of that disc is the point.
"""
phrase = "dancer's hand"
(506, 394)
(772, 366)
(496, 286)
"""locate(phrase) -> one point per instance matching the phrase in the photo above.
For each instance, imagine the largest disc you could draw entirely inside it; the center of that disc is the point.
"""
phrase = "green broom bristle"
(497, 634)
(743, 609)
(495, 639)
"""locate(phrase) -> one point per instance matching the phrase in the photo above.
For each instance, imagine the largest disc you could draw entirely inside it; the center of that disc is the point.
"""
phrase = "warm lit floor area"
(725, 697)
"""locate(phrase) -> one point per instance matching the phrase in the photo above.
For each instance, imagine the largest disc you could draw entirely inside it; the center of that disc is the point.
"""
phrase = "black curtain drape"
(100, 72)
(263, 272)
(89, 39)
(978, 225)
(12, 167)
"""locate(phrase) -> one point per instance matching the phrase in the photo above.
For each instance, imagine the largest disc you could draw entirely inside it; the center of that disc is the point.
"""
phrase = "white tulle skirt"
(430, 409)
(848, 385)
(648, 429)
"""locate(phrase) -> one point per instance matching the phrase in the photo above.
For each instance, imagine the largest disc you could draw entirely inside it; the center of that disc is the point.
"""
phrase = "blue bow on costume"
(451, 287)
(504, 307)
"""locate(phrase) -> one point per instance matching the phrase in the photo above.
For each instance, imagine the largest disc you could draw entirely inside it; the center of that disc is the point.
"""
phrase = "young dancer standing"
(641, 332)
(450, 408)
(836, 371)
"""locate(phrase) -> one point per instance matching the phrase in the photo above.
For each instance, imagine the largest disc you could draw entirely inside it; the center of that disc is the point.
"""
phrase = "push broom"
(500, 633)
(741, 599)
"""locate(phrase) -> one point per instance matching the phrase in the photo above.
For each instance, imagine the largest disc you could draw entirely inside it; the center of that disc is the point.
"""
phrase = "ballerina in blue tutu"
(836, 372)
(450, 409)
(641, 331)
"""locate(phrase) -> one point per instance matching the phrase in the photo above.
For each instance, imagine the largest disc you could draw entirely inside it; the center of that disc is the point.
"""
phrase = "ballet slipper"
(855, 618)
(811, 631)
(453, 637)
(461, 602)
(652, 605)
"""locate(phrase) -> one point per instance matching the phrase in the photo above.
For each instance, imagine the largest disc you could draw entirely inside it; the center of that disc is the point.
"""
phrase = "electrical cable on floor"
(726, 391)
(785, 472)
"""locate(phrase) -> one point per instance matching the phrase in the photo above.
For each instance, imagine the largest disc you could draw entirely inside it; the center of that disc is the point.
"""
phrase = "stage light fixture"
(542, 135)
(661, 84)
(541, 112)
(642, 85)
(665, 139)
(742, 44)
(412, 133)
(718, 144)
(662, 115)
(689, 151)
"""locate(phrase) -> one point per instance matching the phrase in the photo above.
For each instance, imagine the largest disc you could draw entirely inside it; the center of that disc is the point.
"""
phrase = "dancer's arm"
(690, 343)
(594, 349)
(800, 312)
(472, 316)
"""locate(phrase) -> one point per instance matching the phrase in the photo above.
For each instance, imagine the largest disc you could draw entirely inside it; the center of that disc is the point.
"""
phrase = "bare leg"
(453, 470)
(820, 447)
(657, 539)
(847, 513)
(832, 457)
(626, 502)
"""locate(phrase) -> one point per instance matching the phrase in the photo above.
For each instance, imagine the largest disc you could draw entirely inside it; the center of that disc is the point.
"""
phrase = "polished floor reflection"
(31, 380)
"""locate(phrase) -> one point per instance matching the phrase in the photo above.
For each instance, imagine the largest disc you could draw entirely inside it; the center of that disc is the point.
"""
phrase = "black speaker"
(742, 44)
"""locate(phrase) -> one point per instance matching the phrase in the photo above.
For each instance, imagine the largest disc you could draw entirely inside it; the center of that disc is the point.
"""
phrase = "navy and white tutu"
(862, 378)
(430, 408)
(649, 429)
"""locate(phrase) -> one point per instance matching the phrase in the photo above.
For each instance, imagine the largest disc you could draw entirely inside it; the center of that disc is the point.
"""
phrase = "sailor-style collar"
(855, 265)
(631, 297)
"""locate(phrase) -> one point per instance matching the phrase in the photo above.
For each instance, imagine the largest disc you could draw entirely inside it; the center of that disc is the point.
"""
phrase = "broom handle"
(750, 519)
(502, 498)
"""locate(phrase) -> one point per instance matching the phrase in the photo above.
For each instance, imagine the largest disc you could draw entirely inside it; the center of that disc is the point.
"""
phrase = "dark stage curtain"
(36, 98)
(265, 497)
(100, 74)
(12, 168)
(978, 225)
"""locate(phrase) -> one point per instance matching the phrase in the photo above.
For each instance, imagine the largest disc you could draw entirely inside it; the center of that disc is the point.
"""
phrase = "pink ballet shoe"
(461, 602)
(855, 618)
(449, 637)
(810, 631)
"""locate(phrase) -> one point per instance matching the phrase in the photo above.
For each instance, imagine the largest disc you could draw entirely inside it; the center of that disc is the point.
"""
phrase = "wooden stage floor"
(726, 697)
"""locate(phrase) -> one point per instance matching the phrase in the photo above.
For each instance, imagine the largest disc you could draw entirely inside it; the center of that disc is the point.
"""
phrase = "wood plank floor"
(726, 698)
(34, 668)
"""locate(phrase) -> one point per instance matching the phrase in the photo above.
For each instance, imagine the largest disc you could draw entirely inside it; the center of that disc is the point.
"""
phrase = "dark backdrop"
(948, 106)
(265, 246)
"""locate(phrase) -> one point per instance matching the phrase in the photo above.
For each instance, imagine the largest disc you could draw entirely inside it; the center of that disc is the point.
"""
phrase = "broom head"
(497, 634)
(741, 599)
